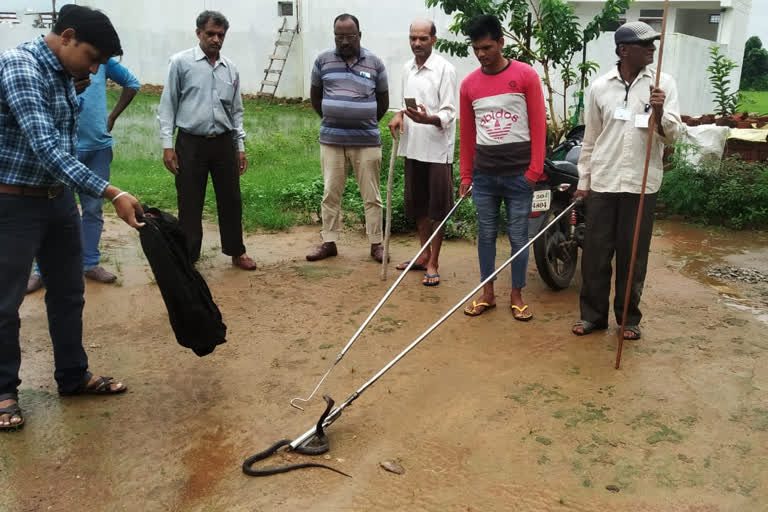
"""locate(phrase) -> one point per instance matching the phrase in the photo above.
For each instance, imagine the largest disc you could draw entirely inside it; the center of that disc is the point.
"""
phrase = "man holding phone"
(427, 127)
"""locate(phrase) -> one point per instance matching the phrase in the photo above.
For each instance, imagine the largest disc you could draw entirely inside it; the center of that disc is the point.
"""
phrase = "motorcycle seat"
(566, 167)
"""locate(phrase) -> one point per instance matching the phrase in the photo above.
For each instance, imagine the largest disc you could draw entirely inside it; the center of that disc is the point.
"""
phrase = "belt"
(208, 136)
(22, 190)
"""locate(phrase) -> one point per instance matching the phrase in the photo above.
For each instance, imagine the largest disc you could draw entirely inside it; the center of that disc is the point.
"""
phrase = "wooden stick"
(388, 227)
(649, 146)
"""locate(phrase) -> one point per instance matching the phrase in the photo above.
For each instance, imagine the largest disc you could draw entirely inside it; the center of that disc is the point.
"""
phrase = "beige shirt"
(613, 155)
(434, 86)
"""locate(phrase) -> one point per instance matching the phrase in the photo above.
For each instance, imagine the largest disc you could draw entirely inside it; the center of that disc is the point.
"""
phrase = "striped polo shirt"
(349, 97)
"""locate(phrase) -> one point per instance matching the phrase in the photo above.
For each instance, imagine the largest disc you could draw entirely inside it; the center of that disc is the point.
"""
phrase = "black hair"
(484, 25)
(345, 17)
(216, 17)
(432, 28)
(91, 26)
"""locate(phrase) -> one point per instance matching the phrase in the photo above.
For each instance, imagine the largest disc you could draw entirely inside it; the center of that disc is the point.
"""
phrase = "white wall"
(151, 31)
(12, 35)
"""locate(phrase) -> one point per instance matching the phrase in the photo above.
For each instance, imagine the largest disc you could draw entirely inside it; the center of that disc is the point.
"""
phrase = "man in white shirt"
(427, 142)
(611, 175)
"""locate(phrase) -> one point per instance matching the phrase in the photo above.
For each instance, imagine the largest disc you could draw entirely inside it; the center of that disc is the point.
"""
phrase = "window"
(652, 17)
(285, 8)
(612, 26)
(714, 19)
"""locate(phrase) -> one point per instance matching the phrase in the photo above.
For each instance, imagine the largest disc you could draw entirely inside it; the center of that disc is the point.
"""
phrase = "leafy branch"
(543, 32)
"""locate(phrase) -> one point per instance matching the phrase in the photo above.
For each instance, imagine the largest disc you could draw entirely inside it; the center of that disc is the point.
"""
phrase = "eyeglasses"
(644, 44)
(340, 38)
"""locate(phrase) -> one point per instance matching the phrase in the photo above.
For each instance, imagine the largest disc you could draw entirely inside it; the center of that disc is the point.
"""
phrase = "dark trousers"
(197, 157)
(48, 229)
(610, 220)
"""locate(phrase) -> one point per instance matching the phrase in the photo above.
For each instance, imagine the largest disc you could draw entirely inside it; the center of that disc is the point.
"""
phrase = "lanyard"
(627, 87)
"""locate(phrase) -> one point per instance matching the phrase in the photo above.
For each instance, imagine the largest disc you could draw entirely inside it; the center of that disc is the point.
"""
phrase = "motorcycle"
(557, 251)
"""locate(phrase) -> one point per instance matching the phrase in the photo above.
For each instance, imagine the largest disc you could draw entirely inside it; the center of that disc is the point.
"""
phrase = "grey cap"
(635, 32)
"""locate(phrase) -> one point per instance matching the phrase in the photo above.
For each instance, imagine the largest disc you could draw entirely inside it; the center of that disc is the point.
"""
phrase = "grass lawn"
(757, 101)
(283, 185)
(281, 146)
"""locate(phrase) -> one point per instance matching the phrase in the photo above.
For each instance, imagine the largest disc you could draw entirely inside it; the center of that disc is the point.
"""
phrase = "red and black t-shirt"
(503, 123)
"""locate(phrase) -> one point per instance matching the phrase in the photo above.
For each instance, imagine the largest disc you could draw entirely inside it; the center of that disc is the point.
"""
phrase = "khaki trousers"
(366, 164)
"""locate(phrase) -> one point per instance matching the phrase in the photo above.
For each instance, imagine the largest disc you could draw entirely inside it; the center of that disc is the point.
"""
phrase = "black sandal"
(635, 330)
(100, 387)
(11, 411)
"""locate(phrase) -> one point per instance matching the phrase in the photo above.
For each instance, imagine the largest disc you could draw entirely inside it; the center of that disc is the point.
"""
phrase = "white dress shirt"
(434, 86)
(613, 155)
(201, 99)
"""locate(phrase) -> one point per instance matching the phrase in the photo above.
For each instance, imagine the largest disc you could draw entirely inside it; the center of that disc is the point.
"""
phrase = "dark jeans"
(50, 230)
(197, 157)
(610, 220)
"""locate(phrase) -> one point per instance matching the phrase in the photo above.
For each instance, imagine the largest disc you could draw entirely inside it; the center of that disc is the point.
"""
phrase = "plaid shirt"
(38, 122)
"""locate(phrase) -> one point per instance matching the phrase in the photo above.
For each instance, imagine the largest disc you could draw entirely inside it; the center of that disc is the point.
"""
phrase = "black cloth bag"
(195, 318)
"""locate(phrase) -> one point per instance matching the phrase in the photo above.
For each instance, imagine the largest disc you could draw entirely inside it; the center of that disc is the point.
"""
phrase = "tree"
(754, 68)
(546, 32)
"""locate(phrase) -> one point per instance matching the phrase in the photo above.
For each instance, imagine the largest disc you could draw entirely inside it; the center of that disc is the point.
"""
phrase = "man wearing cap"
(621, 105)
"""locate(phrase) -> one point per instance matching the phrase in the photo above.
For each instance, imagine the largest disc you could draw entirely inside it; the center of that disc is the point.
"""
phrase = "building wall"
(152, 31)
(384, 32)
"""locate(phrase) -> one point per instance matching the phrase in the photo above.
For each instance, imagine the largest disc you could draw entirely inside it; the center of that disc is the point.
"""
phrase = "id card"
(642, 120)
(623, 114)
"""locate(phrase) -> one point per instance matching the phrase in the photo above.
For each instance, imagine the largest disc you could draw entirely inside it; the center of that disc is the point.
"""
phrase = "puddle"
(760, 314)
(695, 249)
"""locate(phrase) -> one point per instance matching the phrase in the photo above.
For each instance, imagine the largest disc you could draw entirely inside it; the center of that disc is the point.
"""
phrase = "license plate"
(541, 200)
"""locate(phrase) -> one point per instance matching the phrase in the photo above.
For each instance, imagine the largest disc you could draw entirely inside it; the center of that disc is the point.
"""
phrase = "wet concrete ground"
(486, 414)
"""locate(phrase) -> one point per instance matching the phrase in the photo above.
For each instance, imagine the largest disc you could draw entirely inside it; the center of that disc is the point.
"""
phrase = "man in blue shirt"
(94, 149)
(38, 213)
(201, 101)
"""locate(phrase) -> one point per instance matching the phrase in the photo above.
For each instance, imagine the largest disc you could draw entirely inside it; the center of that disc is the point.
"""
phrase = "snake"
(317, 446)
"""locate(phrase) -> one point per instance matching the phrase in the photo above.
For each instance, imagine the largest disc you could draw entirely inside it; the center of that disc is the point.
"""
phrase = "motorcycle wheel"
(556, 264)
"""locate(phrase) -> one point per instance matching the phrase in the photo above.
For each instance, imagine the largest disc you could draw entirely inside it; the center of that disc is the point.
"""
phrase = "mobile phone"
(411, 103)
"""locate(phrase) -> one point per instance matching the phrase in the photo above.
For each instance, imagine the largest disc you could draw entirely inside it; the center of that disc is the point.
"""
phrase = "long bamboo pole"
(649, 146)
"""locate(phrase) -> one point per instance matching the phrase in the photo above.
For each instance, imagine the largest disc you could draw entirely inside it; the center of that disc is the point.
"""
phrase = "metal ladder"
(277, 61)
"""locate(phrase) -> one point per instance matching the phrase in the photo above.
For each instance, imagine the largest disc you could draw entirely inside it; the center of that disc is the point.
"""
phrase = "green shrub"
(733, 193)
